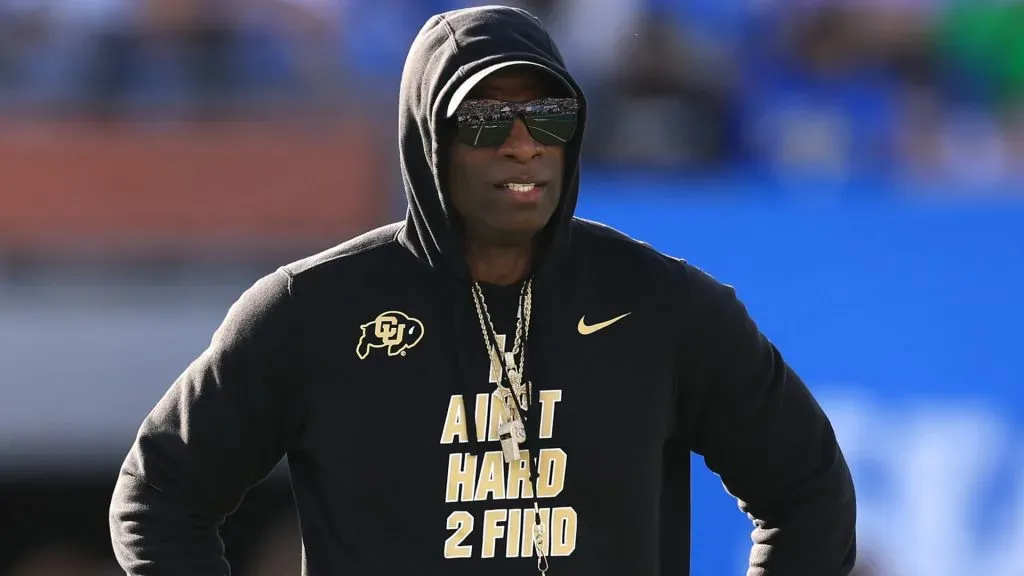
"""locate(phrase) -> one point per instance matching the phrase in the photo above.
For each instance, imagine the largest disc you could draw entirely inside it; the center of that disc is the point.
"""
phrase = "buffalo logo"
(393, 330)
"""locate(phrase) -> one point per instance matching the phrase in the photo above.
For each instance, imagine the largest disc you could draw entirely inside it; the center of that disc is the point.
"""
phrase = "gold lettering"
(462, 523)
(548, 399)
(551, 472)
(455, 422)
(563, 531)
(519, 485)
(461, 477)
(515, 532)
(472, 478)
(389, 330)
(482, 401)
(493, 529)
(492, 477)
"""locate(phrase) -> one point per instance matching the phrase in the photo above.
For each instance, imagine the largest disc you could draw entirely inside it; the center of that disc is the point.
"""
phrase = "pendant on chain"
(512, 431)
(522, 390)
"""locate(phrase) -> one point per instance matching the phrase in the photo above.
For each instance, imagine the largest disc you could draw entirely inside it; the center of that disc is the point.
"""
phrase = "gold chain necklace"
(512, 431)
(523, 315)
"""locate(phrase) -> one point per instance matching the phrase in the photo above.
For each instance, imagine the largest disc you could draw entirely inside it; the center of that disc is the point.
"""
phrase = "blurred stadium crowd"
(832, 89)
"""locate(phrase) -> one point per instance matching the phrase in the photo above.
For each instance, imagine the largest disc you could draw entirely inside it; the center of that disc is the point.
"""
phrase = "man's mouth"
(521, 188)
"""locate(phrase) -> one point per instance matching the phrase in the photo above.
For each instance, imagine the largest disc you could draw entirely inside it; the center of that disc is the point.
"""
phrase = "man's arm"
(220, 429)
(758, 427)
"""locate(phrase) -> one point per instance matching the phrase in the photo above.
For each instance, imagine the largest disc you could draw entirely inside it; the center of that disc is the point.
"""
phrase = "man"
(491, 386)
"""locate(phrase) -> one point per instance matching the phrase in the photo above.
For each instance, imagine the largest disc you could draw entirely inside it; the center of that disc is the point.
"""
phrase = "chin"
(517, 233)
(529, 225)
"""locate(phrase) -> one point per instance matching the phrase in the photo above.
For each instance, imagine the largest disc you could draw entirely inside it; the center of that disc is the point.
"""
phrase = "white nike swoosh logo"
(585, 330)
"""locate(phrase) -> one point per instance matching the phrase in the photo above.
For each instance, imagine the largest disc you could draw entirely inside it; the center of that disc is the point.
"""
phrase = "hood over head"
(452, 52)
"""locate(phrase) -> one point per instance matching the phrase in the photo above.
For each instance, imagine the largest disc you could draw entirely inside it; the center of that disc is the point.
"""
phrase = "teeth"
(519, 187)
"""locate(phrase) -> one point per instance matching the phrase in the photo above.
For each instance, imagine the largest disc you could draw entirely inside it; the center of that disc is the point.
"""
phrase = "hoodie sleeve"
(220, 429)
(758, 427)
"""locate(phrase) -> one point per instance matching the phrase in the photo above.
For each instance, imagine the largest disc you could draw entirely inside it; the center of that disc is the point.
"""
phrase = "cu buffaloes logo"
(392, 330)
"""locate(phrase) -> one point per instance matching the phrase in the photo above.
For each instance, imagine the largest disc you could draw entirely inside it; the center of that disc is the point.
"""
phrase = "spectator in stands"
(666, 104)
(982, 50)
(815, 105)
(25, 30)
(309, 33)
(166, 53)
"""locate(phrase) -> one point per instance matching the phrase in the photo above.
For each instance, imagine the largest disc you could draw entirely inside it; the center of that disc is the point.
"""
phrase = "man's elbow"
(830, 516)
(830, 502)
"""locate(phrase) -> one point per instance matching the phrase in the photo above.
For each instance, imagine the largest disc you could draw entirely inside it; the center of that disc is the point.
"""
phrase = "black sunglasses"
(488, 123)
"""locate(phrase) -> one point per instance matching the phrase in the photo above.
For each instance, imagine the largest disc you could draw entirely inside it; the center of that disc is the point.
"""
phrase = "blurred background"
(854, 167)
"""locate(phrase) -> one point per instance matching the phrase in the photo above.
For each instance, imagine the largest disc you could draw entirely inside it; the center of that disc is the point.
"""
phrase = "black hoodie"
(366, 367)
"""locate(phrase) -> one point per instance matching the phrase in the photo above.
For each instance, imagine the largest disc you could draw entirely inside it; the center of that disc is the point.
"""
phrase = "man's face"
(489, 185)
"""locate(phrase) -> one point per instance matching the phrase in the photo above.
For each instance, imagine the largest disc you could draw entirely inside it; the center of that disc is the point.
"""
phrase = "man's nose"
(520, 145)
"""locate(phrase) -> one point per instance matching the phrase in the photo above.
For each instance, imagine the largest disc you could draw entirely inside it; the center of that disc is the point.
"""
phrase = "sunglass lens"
(485, 134)
(552, 129)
